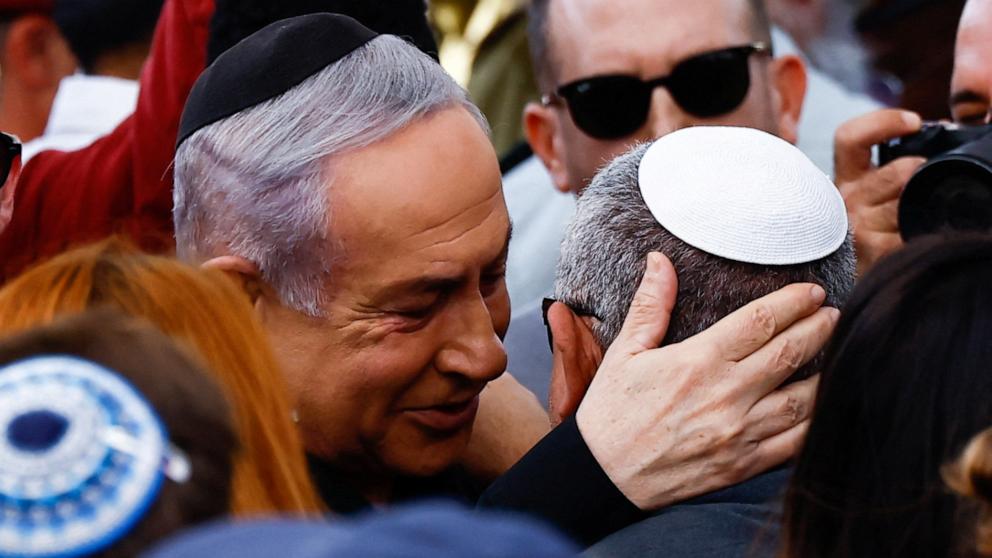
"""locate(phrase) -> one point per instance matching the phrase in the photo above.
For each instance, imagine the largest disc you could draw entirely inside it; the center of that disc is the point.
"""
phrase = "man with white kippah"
(599, 64)
(348, 184)
(740, 213)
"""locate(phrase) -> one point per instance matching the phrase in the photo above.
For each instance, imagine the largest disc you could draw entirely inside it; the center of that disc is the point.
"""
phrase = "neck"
(340, 480)
(378, 493)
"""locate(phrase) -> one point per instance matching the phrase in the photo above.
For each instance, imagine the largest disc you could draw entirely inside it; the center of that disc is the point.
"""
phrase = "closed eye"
(491, 282)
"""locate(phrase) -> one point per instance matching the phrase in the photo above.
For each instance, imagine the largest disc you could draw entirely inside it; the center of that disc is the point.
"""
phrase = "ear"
(577, 355)
(39, 52)
(788, 84)
(541, 128)
(244, 272)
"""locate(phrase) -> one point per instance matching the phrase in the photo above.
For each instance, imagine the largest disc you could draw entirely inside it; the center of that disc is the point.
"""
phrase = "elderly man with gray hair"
(740, 213)
(349, 185)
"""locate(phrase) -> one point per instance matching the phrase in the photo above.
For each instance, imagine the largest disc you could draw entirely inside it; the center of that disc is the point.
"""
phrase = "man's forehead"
(976, 24)
(640, 36)
(432, 184)
(974, 46)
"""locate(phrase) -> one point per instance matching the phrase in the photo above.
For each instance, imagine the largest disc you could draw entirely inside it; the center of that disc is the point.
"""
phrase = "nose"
(666, 116)
(473, 349)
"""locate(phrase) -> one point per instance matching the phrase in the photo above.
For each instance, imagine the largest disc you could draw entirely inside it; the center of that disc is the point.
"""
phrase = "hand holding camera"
(953, 190)
(872, 193)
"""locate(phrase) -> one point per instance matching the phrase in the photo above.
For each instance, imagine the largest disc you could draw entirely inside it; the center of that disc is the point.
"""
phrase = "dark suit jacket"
(740, 521)
(561, 482)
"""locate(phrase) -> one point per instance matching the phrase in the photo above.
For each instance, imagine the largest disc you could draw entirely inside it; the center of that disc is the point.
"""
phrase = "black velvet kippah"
(234, 20)
(267, 64)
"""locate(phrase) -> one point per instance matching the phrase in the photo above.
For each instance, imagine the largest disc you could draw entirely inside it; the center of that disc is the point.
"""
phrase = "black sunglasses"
(10, 154)
(546, 305)
(614, 106)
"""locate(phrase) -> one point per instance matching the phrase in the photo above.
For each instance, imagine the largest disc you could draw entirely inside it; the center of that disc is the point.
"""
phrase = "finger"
(793, 348)
(854, 139)
(778, 449)
(902, 169)
(882, 218)
(651, 310)
(882, 185)
(781, 410)
(751, 327)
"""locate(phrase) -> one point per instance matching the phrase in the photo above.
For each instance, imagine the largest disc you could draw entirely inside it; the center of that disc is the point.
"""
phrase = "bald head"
(540, 33)
(971, 84)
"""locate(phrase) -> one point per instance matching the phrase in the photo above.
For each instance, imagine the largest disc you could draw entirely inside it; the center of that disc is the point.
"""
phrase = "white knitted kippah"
(742, 194)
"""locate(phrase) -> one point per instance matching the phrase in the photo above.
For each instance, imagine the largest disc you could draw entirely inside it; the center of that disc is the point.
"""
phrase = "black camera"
(952, 191)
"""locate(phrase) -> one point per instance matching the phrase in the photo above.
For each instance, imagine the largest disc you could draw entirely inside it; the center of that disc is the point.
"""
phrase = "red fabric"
(122, 183)
(44, 6)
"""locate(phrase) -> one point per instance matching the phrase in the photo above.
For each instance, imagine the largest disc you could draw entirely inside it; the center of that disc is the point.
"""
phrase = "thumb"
(854, 139)
(651, 310)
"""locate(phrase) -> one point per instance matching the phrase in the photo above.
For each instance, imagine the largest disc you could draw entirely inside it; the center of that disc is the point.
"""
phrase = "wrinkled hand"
(671, 423)
(872, 193)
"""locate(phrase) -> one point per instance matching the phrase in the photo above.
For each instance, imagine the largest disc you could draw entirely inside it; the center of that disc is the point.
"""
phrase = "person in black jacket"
(348, 184)
(773, 218)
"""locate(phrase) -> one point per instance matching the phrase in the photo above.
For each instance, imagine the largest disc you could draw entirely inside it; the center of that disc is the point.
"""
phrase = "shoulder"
(709, 530)
(740, 521)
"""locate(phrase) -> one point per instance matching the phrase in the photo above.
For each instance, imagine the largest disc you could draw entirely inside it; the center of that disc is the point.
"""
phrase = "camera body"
(933, 139)
(952, 191)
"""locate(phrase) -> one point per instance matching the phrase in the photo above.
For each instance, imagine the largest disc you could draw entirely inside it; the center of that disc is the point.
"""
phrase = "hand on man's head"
(671, 423)
(872, 193)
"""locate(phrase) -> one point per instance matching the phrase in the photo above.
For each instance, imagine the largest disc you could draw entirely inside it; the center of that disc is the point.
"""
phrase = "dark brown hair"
(905, 386)
(971, 477)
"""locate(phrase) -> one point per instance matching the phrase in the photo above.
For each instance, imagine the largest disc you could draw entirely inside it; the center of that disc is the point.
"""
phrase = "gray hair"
(603, 256)
(255, 184)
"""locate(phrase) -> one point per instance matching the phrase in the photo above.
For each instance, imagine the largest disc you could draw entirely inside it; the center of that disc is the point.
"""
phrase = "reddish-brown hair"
(207, 312)
(971, 476)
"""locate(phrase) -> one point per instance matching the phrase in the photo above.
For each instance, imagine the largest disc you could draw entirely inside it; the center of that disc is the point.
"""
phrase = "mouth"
(447, 418)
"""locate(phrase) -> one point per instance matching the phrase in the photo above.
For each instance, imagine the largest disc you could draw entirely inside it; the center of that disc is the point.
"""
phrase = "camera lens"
(950, 193)
(961, 203)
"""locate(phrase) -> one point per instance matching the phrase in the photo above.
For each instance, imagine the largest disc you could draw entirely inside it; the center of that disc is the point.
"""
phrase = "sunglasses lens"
(10, 159)
(712, 84)
(5, 165)
(609, 107)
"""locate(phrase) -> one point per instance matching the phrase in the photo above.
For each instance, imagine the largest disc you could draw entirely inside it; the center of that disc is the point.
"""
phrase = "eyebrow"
(968, 96)
(505, 252)
(430, 283)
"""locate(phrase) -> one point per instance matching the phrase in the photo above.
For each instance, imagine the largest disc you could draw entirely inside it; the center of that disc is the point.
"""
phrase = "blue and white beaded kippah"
(742, 194)
(82, 457)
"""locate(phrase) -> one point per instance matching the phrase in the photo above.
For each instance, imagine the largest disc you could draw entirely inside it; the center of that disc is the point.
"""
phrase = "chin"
(429, 455)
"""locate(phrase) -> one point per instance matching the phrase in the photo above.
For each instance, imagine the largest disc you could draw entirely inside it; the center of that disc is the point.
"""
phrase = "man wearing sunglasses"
(613, 75)
(616, 73)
